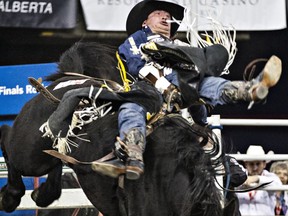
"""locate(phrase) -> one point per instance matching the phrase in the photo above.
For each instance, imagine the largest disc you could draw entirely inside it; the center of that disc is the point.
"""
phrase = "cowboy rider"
(146, 22)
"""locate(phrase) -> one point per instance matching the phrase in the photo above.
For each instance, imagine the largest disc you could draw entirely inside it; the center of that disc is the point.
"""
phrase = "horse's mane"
(194, 133)
(199, 165)
(203, 184)
(88, 58)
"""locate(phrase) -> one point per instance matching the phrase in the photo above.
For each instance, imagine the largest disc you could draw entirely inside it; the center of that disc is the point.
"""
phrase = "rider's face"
(156, 21)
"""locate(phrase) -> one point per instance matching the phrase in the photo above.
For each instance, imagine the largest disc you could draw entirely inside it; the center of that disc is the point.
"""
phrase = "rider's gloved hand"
(172, 95)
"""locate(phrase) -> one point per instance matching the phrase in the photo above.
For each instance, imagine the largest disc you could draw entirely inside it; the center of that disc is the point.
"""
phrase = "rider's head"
(154, 14)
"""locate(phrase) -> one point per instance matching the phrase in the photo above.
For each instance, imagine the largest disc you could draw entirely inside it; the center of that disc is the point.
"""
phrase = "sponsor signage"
(15, 89)
(48, 14)
(111, 15)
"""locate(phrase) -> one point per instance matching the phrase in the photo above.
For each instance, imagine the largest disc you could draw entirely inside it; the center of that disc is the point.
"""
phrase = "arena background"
(29, 46)
(32, 46)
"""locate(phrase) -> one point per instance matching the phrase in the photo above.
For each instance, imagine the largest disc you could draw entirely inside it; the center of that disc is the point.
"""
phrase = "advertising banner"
(15, 89)
(48, 14)
(110, 15)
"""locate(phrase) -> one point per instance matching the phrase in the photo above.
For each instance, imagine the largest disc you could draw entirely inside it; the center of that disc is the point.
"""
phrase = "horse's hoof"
(13, 204)
(34, 195)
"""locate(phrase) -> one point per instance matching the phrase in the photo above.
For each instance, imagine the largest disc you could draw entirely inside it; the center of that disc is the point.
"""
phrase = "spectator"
(258, 202)
(280, 168)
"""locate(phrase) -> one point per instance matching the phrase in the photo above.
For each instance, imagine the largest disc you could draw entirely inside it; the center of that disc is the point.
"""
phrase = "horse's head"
(89, 58)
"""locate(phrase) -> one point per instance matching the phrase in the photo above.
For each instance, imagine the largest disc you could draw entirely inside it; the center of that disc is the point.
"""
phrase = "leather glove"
(172, 96)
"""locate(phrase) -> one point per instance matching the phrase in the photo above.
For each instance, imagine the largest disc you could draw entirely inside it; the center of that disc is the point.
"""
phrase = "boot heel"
(132, 174)
(260, 93)
(134, 169)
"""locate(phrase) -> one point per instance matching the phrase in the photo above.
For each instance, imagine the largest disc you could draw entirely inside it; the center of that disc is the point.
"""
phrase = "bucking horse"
(179, 176)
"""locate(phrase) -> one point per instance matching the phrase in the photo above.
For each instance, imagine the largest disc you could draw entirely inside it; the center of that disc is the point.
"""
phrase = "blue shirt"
(129, 52)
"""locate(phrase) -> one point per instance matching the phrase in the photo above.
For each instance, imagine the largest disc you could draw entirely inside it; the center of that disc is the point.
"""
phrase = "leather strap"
(69, 159)
(114, 85)
(40, 88)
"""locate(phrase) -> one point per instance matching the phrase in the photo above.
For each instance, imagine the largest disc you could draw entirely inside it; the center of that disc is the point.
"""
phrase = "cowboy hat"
(257, 150)
(140, 12)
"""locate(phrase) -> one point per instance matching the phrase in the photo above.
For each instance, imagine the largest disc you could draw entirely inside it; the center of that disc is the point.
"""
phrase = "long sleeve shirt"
(260, 202)
(129, 51)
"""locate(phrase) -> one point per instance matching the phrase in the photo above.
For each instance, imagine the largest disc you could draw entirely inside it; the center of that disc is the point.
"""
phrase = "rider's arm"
(129, 52)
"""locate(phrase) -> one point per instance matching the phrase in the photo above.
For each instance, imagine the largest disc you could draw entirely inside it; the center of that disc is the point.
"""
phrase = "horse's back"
(87, 58)
(25, 148)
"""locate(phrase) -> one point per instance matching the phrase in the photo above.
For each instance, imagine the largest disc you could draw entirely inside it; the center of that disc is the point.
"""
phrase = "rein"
(242, 190)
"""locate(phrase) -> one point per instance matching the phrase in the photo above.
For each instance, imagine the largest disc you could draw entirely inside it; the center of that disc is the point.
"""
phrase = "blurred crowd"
(262, 172)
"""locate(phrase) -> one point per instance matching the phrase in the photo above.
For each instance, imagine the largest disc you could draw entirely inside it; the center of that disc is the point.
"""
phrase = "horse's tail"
(89, 58)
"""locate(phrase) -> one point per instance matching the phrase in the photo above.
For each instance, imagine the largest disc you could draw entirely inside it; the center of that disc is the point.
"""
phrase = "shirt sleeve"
(236, 171)
(129, 52)
(269, 177)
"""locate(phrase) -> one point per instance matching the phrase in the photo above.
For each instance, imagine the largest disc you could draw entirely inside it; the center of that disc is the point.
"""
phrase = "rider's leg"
(216, 90)
(257, 89)
(219, 91)
(131, 145)
(58, 123)
(132, 129)
(210, 60)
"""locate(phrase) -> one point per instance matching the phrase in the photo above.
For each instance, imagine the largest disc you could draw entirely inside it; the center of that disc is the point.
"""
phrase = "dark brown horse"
(178, 178)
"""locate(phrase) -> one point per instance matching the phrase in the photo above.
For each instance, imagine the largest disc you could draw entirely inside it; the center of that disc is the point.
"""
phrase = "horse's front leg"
(50, 190)
(11, 193)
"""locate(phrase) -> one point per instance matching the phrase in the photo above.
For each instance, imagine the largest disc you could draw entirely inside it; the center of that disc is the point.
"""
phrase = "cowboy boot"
(116, 165)
(112, 168)
(129, 158)
(257, 89)
(135, 142)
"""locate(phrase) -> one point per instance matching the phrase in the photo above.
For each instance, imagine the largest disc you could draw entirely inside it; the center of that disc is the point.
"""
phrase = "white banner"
(245, 15)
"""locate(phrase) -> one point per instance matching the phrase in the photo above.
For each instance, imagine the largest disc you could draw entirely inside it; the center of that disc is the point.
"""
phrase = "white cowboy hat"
(257, 150)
